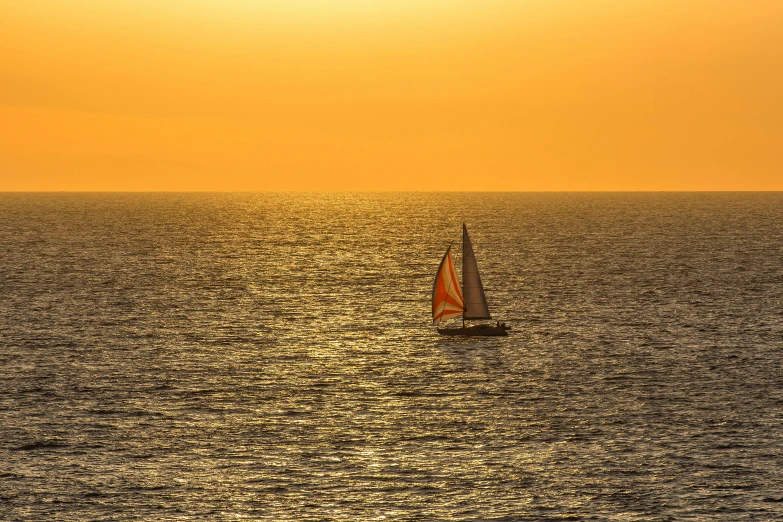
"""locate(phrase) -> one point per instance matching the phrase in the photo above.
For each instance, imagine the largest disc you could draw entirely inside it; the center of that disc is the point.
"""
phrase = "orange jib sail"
(446, 295)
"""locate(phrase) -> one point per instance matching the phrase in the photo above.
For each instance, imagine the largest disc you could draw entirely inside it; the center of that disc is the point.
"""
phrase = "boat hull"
(475, 331)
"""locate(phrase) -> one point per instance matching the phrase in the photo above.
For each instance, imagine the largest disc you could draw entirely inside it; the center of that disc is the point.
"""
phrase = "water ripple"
(270, 357)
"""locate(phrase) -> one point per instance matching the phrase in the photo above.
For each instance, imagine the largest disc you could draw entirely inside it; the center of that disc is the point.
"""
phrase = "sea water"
(272, 357)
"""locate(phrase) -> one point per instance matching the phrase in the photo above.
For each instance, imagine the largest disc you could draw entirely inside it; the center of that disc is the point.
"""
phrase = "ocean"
(272, 357)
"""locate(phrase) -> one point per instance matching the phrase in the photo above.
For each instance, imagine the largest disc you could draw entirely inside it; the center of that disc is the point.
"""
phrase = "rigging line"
(462, 254)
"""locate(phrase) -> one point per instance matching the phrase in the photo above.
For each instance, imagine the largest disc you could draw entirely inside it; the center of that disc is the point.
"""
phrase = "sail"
(475, 301)
(446, 295)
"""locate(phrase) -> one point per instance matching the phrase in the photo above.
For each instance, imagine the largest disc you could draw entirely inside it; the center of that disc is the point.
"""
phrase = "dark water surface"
(271, 357)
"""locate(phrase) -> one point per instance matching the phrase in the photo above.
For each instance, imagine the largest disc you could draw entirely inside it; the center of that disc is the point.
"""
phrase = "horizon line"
(379, 191)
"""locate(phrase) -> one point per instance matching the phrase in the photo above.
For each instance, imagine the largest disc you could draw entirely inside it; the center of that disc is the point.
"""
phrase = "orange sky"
(391, 95)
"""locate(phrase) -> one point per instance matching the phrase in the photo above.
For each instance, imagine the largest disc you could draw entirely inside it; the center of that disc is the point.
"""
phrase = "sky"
(388, 95)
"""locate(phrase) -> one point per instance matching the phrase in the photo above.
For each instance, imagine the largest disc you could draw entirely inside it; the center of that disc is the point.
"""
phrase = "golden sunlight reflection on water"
(271, 357)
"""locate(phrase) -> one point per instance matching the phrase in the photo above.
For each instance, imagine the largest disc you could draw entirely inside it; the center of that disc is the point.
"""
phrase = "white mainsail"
(446, 295)
(473, 291)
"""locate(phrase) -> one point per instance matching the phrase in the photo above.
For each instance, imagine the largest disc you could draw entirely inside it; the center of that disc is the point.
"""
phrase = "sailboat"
(449, 301)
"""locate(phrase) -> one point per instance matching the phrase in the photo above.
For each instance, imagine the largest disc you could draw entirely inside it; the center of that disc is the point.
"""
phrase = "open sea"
(272, 357)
